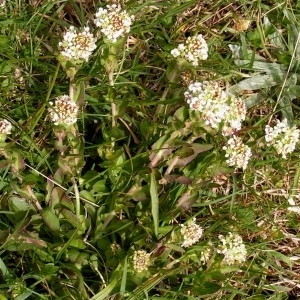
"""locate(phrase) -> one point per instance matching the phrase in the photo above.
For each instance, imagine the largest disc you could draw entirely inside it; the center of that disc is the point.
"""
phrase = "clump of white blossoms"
(5, 127)
(209, 99)
(233, 248)
(114, 22)
(216, 106)
(64, 111)
(191, 233)
(141, 260)
(237, 153)
(194, 49)
(282, 137)
(77, 46)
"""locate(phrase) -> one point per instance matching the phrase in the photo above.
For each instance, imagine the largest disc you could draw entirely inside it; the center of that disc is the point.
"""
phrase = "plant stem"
(77, 197)
(113, 105)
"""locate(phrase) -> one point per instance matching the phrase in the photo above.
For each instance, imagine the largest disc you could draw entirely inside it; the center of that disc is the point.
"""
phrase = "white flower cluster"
(194, 49)
(191, 233)
(216, 106)
(77, 46)
(5, 127)
(113, 22)
(233, 248)
(64, 111)
(237, 153)
(141, 260)
(282, 137)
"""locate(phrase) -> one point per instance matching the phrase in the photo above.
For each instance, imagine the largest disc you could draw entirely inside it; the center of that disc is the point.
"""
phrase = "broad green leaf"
(60, 197)
(189, 154)
(73, 219)
(19, 206)
(4, 270)
(50, 219)
(257, 82)
(207, 288)
(254, 99)
(18, 242)
(264, 67)
(79, 244)
(87, 195)
(99, 187)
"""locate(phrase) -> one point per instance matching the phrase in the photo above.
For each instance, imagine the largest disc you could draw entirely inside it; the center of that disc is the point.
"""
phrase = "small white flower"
(191, 233)
(77, 46)
(194, 49)
(64, 111)
(282, 137)
(141, 260)
(236, 115)
(233, 248)
(175, 52)
(5, 127)
(237, 153)
(113, 22)
(205, 254)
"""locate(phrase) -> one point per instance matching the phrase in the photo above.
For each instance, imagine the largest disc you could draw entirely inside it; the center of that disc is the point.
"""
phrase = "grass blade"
(154, 203)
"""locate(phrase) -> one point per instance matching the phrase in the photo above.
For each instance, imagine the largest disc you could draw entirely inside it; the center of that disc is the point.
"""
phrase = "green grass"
(77, 202)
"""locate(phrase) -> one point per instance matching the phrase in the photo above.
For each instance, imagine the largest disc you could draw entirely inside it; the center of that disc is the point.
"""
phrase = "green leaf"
(60, 197)
(4, 270)
(3, 41)
(257, 82)
(49, 269)
(280, 256)
(99, 187)
(146, 128)
(189, 154)
(79, 244)
(73, 219)
(106, 291)
(24, 296)
(17, 204)
(50, 219)
(154, 203)
(173, 72)
(87, 195)
(207, 288)
(124, 277)
(18, 242)
(148, 285)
